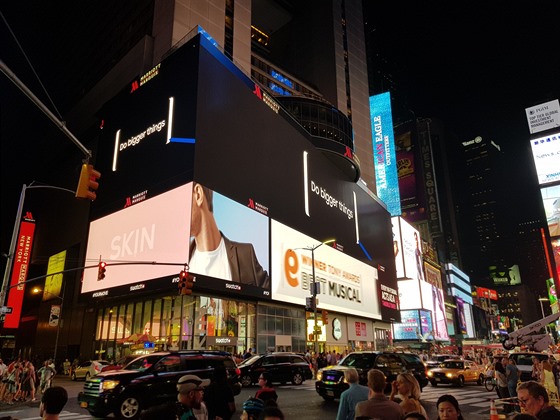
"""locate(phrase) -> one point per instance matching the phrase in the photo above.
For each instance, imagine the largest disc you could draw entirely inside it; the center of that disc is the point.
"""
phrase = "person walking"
(512, 374)
(353, 395)
(53, 401)
(378, 406)
(407, 386)
(46, 373)
(218, 396)
(501, 384)
(267, 391)
(190, 390)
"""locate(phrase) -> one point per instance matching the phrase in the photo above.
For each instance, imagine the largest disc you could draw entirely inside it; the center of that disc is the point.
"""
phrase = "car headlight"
(106, 385)
(430, 373)
(319, 376)
(449, 375)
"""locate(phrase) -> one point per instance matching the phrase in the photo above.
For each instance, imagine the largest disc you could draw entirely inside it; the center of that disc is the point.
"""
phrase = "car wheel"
(246, 380)
(297, 379)
(87, 376)
(328, 398)
(129, 408)
(73, 377)
(434, 383)
(461, 381)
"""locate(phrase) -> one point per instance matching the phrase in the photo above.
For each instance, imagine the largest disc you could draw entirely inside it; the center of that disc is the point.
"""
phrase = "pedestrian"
(46, 373)
(190, 390)
(533, 399)
(407, 386)
(536, 369)
(53, 401)
(252, 409)
(267, 391)
(66, 366)
(512, 374)
(218, 396)
(272, 412)
(353, 395)
(378, 406)
(448, 408)
(501, 384)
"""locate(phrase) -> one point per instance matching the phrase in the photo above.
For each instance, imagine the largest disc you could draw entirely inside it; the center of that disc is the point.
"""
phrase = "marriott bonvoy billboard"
(200, 121)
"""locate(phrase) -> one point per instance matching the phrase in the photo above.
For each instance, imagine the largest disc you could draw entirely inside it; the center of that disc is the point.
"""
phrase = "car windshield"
(451, 364)
(142, 363)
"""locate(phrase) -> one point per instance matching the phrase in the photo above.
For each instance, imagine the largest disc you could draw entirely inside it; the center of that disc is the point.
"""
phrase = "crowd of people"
(21, 381)
(202, 399)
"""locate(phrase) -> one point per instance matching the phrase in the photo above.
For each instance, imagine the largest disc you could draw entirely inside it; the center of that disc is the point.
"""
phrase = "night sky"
(475, 65)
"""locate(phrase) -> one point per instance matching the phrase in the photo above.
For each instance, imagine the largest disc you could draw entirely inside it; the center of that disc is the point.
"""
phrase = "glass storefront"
(175, 323)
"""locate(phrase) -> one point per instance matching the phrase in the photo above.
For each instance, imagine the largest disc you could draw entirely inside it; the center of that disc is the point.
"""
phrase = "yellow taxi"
(456, 372)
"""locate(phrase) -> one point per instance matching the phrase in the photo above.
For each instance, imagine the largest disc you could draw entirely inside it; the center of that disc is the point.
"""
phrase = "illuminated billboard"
(345, 284)
(415, 325)
(407, 248)
(546, 155)
(551, 203)
(505, 276)
(184, 128)
(384, 154)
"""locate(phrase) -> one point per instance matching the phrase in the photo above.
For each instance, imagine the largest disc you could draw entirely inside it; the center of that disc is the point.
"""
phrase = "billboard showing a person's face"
(181, 133)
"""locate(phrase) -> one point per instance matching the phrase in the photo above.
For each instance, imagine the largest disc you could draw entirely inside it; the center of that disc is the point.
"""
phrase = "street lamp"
(38, 290)
(541, 300)
(314, 290)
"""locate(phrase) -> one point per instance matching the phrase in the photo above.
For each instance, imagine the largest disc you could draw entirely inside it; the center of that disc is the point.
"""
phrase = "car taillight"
(238, 371)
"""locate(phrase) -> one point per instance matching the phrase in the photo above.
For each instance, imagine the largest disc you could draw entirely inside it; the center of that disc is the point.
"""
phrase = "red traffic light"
(186, 283)
(87, 184)
(101, 270)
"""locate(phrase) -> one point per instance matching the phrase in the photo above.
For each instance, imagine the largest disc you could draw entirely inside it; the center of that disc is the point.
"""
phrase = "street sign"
(6, 309)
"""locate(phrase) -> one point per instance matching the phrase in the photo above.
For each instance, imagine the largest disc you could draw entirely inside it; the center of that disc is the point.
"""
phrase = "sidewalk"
(72, 387)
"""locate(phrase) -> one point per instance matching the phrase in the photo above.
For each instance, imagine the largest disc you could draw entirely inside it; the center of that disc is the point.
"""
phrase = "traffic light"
(101, 270)
(87, 184)
(186, 282)
(325, 317)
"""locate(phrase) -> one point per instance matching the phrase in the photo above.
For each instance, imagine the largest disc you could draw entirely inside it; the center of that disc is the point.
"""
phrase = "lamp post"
(541, 300)
(314, 291)
(37, 290)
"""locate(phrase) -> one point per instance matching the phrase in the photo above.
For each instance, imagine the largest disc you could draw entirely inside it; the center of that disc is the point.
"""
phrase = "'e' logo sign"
(291, 267)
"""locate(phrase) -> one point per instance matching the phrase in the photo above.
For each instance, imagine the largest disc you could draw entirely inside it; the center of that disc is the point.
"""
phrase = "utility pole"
(315, 289)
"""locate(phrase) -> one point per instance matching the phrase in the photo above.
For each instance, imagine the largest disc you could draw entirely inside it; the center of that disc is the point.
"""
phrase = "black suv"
(151, 380)
(281, 367)
(330, 380)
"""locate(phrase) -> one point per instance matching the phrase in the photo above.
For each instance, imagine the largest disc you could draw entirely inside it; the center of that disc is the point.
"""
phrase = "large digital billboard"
(551, 204)
(407, 248)
(198, 127)
(384, 153)
(546, 155)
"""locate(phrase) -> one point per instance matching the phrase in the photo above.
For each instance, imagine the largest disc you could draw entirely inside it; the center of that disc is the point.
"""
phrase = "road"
(297, 402)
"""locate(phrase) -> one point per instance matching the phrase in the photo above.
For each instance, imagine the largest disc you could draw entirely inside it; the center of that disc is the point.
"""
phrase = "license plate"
(83, 404)
(438, 379)
(330, 394)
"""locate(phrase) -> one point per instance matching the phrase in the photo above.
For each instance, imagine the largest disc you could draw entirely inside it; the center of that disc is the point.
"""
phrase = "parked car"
(524, 362)
(151, 380)
(282, 367)
(119, 364)
(457, 372)
(437, 359)
(88, 369)
(330, 380)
